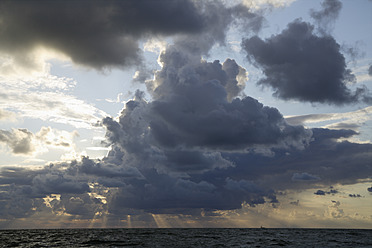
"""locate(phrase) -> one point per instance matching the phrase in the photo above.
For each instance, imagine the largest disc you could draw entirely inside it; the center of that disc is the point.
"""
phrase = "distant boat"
(262, 227)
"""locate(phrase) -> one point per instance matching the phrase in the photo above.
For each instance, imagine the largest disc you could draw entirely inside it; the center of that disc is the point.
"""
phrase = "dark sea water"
(179, 238)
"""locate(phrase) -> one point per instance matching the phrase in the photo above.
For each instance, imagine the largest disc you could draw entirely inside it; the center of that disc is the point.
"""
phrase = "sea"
(193, 237)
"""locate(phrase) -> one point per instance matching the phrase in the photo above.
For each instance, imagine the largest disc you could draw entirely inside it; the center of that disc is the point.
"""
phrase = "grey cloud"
(162, 193)
(195, 105)
(331, 161)
(322, 192)
(193, 145)
(110, 170)
(181, 137)
(22, 141)
(193, 138)
(370, 70)
(24, 189)
(229, 126)
(304, 177)
(354, 195)
(369, 189)
(299, 65)
(96, 34)
(143, 186)
(81, 205)
(58, 183)
(104, 34)
(19, 140)
(218, 19)
(166, 171)
(319, 192)
(191, 120)
(325, 17)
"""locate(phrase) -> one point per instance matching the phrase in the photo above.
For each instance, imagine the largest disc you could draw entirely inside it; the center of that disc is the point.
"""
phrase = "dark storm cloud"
(162, 193)
(302, 66)
(325, 17)
(108, 169)
(161, 183)
(103, 34)
(369, 189)
(330, 160)
(199, 144)
(58, 183)
(195, 105)
(94, 33)
(195, 115)
(23, 189)
(252, 178)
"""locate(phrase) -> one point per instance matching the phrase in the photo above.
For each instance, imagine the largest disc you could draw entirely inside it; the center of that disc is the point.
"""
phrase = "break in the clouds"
(300, 65)
(103, 34)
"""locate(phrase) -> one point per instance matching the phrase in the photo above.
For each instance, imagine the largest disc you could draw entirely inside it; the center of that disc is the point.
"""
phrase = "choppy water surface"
(186, 238)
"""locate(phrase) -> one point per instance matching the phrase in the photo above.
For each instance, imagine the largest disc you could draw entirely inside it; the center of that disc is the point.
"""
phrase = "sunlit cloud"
(47, 98)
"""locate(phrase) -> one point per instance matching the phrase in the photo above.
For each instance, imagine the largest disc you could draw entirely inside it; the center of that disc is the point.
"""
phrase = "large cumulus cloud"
(300, 65)
(195, 119)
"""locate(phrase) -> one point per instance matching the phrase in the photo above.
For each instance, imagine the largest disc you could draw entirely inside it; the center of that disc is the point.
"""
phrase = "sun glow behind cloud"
(193, 147)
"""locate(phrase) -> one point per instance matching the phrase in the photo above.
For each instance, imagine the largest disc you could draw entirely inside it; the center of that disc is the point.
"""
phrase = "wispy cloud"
(47, 98)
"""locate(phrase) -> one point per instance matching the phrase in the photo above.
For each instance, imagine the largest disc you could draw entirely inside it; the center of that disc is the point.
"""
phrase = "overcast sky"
(186, 113)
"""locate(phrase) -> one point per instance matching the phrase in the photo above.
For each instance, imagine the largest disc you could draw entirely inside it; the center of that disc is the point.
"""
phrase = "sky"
(186, 113)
